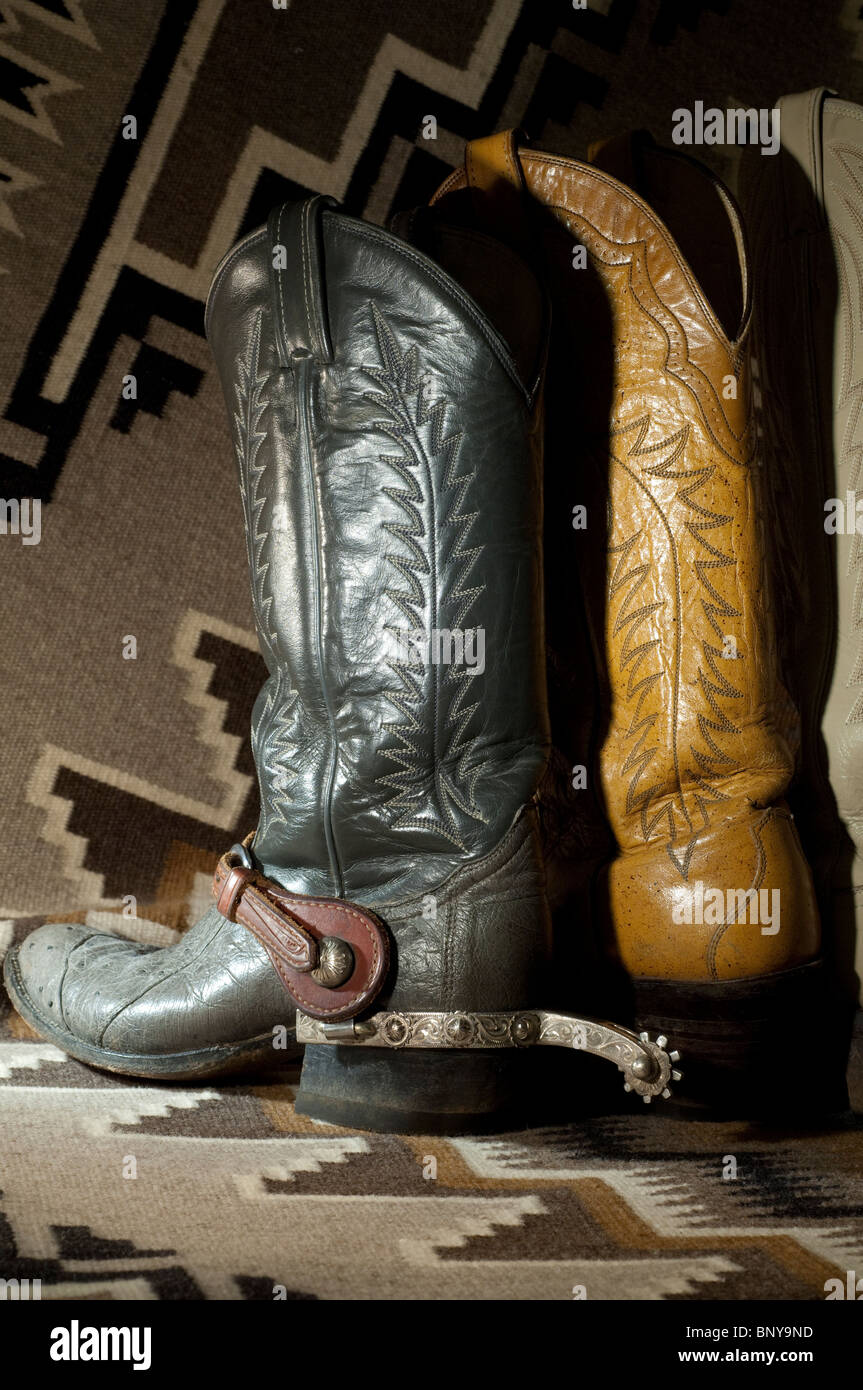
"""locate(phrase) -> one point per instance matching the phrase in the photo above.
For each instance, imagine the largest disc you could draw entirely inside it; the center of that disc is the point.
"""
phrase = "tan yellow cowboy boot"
(706, 910)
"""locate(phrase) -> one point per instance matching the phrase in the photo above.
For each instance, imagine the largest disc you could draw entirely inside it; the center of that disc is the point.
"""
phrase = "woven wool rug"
(121, 780)
(130, 1190)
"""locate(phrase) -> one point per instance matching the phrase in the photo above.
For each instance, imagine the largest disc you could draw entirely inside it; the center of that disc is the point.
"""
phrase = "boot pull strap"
(494, 174)
(297, 277)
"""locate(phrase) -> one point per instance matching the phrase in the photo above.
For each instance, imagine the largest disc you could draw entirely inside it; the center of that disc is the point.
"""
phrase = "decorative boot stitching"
(302, 368)
(274, 748)
(635, 257)
(714, 762)
(433, 734)
(758, 876)
(252, 405)
(272, 741)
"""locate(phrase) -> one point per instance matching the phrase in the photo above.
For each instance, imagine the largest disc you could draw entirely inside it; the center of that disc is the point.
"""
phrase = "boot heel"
(763, 1048)
(415, 1091)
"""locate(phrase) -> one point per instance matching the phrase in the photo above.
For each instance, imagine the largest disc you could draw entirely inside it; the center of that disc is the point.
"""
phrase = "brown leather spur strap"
(331, 955)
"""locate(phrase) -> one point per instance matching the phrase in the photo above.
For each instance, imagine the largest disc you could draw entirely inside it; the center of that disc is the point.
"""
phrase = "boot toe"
(54, 977)
(37, 968)
(128, 1007)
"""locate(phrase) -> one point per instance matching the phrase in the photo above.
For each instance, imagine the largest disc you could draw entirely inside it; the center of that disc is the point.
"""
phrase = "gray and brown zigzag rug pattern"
(131, 1190)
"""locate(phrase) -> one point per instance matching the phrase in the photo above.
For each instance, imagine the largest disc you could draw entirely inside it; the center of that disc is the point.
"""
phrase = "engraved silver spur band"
(646, 1064)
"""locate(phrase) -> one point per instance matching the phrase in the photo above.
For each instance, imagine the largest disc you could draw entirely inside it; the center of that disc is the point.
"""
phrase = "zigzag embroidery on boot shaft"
(272, 742)
(274, 747)
(711, 761)
(426, 795)
(635, 257)
(630, 619)
(251, 408)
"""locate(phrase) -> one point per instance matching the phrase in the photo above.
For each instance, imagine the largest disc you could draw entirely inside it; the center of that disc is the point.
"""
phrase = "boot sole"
(769, 1048)
(431, 1092)
(252, 1054)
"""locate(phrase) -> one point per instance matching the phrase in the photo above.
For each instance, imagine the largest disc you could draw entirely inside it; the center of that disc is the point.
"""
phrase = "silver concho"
(335, 962)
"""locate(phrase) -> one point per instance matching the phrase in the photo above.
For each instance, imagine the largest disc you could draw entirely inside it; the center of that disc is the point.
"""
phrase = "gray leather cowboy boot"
(387, 429)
